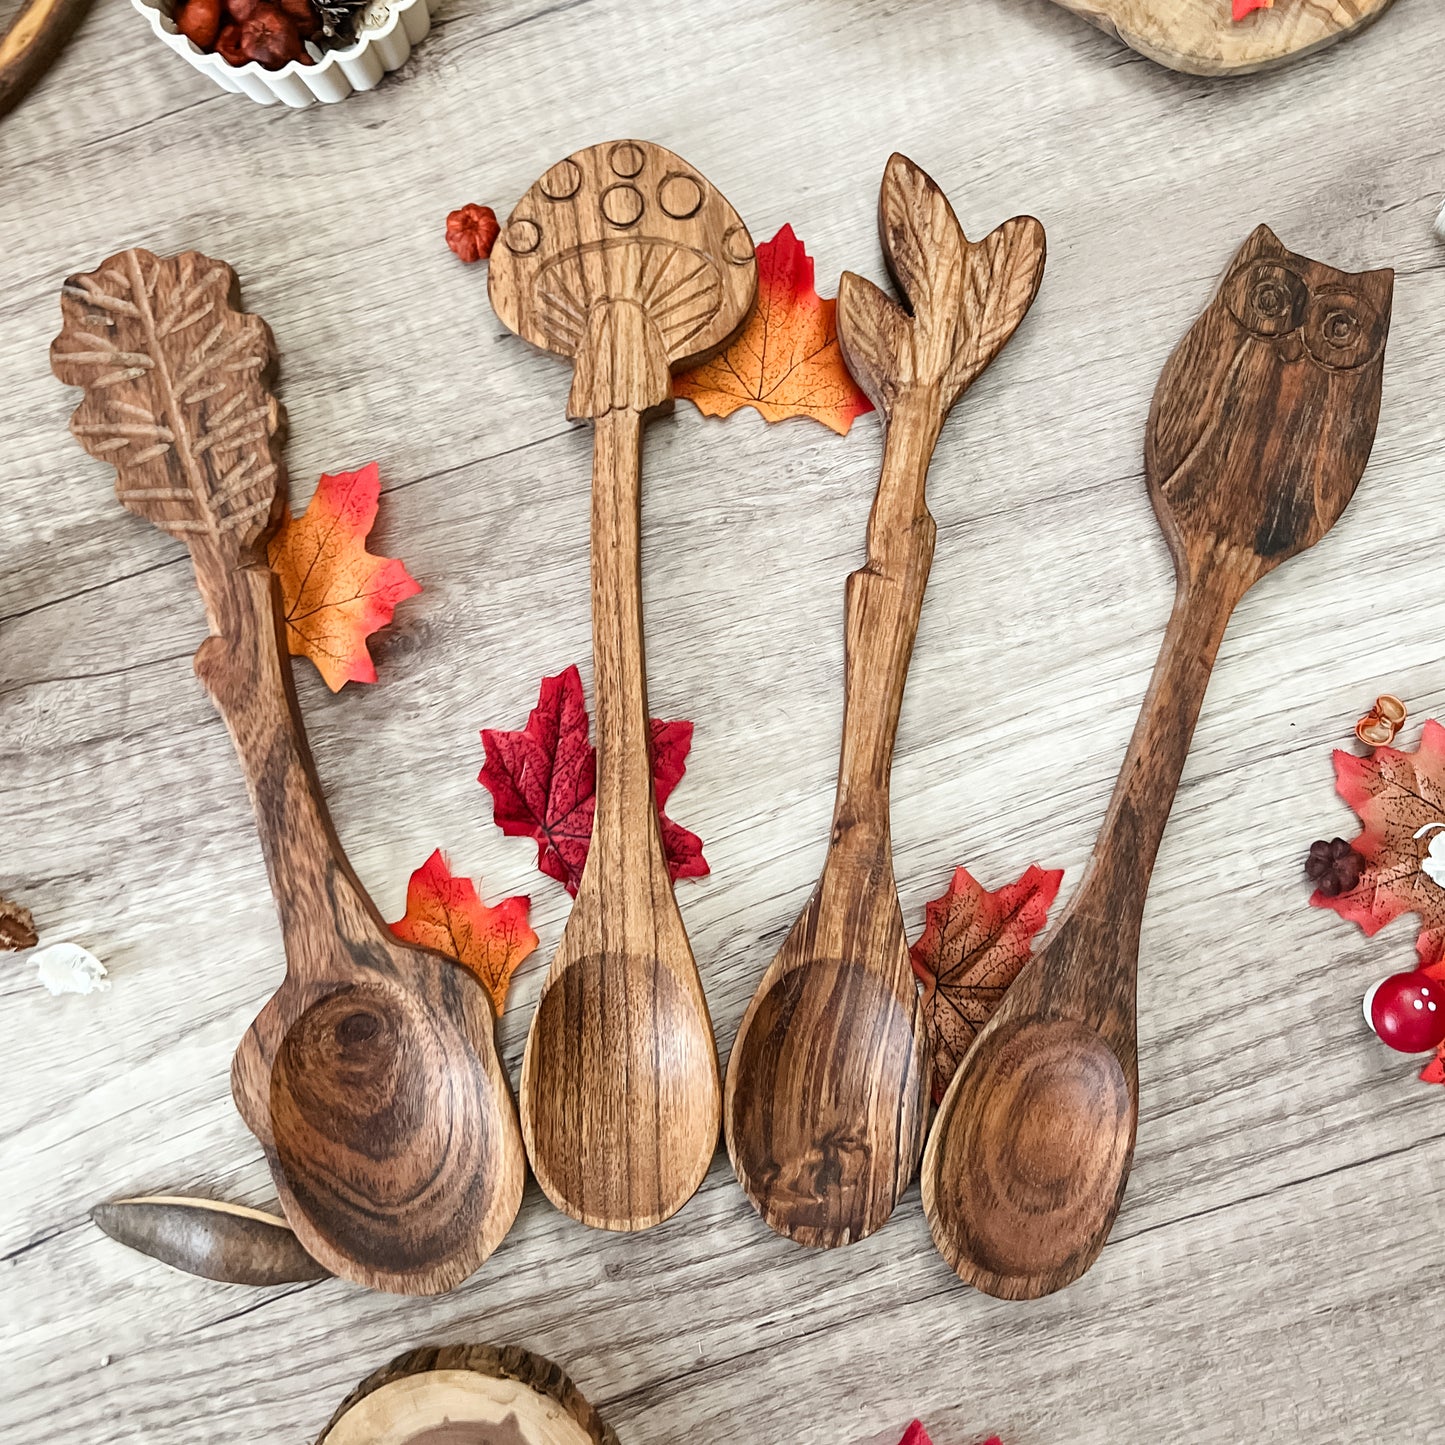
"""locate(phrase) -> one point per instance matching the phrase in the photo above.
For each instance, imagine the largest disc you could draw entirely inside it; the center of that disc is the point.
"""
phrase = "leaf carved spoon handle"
(625, 260)
(1261, 426)
(371, 1077)
(825, 1090)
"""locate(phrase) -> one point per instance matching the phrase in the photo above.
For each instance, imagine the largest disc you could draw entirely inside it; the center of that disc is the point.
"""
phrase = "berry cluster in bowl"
(295, 52)
(272, 33)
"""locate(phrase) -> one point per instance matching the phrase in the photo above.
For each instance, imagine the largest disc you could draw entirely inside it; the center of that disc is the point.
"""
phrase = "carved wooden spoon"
(628, 262)
(371, 1077)
(825, 1089)
(1262, 422)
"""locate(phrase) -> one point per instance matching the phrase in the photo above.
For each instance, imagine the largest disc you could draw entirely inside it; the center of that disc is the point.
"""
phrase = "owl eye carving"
(1342, 330)
(1267, 298)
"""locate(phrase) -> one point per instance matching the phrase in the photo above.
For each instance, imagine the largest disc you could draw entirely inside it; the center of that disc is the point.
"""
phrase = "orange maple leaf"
(446, 914)
(336, 592)
(785, 361)
(971, 950)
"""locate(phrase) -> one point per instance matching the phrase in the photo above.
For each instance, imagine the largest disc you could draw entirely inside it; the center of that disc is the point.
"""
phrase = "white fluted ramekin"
(389, 29)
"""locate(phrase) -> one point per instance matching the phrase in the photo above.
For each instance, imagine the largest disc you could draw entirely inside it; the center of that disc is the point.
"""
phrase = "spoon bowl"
(618, 1038)
(803, 1105)
(1038, 1144)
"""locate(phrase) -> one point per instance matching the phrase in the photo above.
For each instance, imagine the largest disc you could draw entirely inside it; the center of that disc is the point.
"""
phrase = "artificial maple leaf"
(1248, 7)
(337, 593)
(1400, 798)
(915, 1434)
(972, 948)
(543, 783)
(446, 914)
(786, 360)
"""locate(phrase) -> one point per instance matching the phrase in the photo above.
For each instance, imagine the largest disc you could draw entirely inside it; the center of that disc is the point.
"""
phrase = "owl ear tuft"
(1262, 242)
(1379, 286)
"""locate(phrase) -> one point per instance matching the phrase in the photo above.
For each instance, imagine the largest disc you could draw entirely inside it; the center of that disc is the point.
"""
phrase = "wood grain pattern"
(1262, 423)
(623, 259)
(1275, 1266)
(1201, 37)
(31, 43)
(467, 1395)
(827, 1085)
(215, 1240)
(371, 1077)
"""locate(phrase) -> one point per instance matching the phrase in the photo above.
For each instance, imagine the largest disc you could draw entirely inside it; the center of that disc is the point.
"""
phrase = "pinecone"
(1333, 867)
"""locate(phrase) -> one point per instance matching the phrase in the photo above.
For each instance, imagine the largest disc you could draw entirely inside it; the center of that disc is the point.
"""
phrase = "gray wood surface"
(1275, 1273)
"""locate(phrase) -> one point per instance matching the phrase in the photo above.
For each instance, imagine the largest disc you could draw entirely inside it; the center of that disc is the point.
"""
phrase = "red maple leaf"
(1400, 799)
(972, 948)
(543, 783)
(446, 914)
(1248, 7)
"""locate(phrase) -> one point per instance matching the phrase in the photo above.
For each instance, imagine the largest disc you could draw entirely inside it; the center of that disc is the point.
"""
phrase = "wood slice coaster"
(1201, 37)
(467, 1395)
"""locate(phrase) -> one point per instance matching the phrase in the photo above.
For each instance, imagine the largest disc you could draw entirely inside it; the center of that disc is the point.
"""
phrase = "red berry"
(269, 37)
(199, 21)
(472, 232)
(303, 16)
(1407, 1010)
(228, 45)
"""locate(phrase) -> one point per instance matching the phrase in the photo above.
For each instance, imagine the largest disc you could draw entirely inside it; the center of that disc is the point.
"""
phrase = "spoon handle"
(626, 860)
(1088, 969)
(244, 667)
(884, 600)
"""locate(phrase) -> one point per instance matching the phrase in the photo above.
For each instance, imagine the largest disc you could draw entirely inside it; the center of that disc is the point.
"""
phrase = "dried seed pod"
(226, 1242)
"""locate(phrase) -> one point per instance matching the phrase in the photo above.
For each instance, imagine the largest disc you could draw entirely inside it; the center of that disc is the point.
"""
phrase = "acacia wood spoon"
(371, 1077)
(625, 260)
(1261, 426)
(825, 1098)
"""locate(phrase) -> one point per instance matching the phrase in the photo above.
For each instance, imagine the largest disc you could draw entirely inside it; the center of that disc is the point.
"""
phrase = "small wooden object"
(371, 1077)
(1261, 426)
(827, 1084)
(626, 261)
(225, 1242)
(31, 43)
(1201, 37)
(467, 1395)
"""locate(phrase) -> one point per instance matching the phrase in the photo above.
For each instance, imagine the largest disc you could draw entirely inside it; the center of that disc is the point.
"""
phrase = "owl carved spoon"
(1262, 423)
(626, 261)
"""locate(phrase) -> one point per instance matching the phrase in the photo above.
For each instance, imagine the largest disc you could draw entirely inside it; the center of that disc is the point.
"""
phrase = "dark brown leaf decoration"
(176, 396)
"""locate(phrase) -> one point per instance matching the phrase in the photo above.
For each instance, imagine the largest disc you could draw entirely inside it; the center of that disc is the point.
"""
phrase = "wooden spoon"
(625, 260)
(371, 1077)
(1262, 422)
(826, 1083)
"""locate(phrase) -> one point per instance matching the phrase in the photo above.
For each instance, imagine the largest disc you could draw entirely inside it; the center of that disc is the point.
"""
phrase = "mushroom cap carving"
(624, 222)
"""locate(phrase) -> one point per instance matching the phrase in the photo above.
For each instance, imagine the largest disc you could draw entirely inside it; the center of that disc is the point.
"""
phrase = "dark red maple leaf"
(543, 782)
(971, 949)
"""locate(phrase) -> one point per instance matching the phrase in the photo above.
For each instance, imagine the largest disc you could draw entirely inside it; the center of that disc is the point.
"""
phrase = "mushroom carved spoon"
(624, 260)
(370, 1077)
(1261, 426)
(826, 1098)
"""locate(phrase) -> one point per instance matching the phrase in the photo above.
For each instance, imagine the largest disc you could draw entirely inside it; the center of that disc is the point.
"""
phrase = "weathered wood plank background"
(1275, 1274)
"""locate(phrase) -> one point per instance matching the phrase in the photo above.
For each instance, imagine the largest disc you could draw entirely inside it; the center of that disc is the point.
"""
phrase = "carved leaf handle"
(963, 298)
(177, 396)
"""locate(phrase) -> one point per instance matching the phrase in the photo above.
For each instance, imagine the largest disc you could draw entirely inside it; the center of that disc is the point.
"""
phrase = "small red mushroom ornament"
(1407, 1011)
